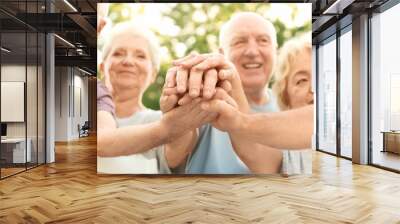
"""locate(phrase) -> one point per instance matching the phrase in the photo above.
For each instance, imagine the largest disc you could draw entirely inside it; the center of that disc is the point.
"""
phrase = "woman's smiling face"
(299, 89)
(129, 64)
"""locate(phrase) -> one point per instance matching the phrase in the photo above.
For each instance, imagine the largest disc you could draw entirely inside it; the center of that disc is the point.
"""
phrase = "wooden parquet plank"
(70, 191)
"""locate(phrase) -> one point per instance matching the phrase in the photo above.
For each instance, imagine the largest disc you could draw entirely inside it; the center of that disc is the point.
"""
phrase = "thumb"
(217, 106)
(168, 102)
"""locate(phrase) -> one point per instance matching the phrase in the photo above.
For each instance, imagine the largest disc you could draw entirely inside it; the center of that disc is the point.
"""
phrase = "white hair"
(287, 56)
(133, 29)
(226, 28)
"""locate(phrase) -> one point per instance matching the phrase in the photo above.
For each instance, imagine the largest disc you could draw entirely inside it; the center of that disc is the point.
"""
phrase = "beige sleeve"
(296, 162)
(163, 167)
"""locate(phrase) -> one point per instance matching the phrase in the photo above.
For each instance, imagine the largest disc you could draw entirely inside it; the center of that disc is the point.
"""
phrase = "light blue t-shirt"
(214, 153)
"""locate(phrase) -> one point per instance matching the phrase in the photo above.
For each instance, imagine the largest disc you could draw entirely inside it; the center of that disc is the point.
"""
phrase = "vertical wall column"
(360, 90)
(50, 99)
(62, 103)
(50, 92)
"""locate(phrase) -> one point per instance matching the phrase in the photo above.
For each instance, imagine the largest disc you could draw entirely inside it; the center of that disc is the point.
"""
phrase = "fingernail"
(170, 84)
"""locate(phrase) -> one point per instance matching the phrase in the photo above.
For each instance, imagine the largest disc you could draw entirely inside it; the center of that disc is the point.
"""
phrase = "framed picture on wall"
(152, 102)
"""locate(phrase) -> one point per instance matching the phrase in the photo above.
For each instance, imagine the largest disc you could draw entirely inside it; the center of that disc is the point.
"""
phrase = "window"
(395, 102)
(385, 89)
(327, 96)
(346, 93)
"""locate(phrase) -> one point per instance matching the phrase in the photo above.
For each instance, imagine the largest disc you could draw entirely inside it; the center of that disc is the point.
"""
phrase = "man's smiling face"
(251, 48)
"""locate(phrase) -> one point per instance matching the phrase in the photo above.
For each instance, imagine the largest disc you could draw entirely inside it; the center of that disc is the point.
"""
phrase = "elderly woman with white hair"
(130, 63)
(293, 89)
(293, 75)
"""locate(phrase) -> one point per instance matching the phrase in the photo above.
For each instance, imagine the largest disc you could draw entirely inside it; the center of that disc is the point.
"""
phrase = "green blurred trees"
(199, 25)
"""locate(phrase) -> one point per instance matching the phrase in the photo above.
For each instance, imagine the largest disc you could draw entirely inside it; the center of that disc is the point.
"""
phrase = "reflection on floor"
(10, 169)
(387, 159)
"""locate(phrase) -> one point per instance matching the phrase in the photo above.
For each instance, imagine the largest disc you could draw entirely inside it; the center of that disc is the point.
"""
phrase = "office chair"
(84, 130)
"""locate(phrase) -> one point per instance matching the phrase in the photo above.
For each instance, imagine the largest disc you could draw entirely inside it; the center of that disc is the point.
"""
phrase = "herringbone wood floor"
(70, 191)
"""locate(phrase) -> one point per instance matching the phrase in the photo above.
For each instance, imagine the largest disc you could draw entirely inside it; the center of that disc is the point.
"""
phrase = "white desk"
(18, 150)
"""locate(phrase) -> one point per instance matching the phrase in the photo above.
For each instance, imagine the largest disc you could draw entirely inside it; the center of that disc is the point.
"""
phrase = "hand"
(187, 98)
(169, 96)
(226, 72)
(179, 120)
(101, 23)
(229, 117)
(172, 92)
(102, 11)
(214, 69)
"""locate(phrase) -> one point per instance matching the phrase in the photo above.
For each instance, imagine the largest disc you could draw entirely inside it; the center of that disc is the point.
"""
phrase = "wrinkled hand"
(169, 96)
(227, 73)
(174, 95)
(199, 75)
(207, 76)
(179, 120)
(228, 115)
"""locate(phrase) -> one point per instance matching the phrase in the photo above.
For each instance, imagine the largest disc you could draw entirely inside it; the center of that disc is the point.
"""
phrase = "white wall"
(62, 80)
(71, 93)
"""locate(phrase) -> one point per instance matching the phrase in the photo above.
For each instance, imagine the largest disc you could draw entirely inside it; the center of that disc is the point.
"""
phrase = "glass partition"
(22, 89)
(14, 151)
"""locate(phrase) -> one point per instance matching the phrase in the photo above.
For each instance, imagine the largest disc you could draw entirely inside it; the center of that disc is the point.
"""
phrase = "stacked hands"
(198, 90)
